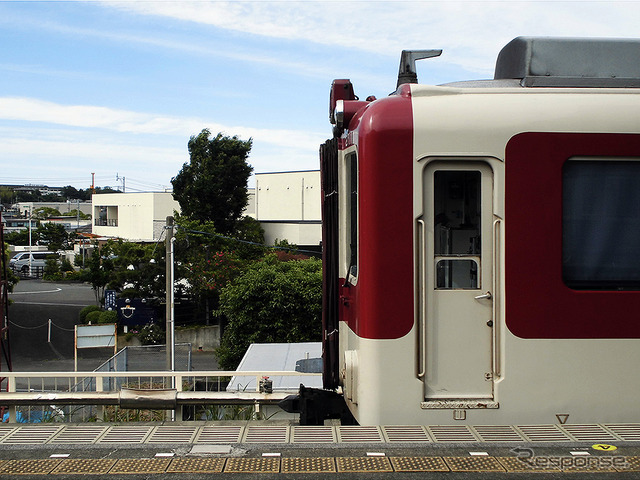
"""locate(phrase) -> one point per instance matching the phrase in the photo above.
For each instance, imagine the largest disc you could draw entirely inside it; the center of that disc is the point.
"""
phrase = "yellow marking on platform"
(474, 464)
(604, 447)
(308, 465)
(515, 464)
(84, 466)
(141, 465)
(196, 465)
(364, 464)
(419, 464)
(251, 465)
(29, 467)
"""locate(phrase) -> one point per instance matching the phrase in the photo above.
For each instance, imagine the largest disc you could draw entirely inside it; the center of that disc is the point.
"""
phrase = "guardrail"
(74, 396)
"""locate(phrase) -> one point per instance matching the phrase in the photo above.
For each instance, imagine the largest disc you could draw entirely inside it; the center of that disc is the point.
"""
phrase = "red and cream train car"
(482, 241)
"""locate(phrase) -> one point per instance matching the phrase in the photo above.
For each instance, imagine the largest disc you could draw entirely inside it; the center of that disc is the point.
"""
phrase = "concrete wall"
(288, 196)
(133, 216)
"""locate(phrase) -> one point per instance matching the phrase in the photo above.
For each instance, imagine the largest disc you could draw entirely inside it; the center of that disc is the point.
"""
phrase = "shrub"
(108, 316)
(66, 266)
(82, 316)
(93, 317)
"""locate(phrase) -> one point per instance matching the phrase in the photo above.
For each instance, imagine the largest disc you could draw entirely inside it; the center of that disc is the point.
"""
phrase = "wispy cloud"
(471, 32)
(124, 121)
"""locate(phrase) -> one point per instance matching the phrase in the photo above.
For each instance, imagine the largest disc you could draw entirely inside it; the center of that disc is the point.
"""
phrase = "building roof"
(280, 357)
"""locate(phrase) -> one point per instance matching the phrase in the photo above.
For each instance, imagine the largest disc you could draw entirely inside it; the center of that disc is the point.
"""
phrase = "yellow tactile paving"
(514, 464)
(308, 465)
(84, 466)
(474, 464)
(631, 464)
(364, 464)
(251, 465)
(419, 464)
(196, 465)
(141, 465)
(29, 467)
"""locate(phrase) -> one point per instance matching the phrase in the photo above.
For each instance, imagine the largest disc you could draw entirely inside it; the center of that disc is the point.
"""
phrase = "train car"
(482, 241)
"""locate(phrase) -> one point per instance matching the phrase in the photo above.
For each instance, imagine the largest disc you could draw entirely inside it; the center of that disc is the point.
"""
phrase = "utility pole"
(169, 312)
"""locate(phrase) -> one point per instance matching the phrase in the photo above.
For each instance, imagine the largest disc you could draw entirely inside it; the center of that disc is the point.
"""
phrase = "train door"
(458, 256)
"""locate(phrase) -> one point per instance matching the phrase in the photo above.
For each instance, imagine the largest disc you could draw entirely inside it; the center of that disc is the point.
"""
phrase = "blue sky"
(117, 88)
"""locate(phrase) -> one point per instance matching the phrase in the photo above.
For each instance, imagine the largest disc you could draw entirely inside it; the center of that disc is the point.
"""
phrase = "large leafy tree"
(213, 185)
(272, 302)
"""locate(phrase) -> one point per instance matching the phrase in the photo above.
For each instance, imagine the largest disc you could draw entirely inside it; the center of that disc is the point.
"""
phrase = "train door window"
(457, 228)
(352, 212)
(601, 224)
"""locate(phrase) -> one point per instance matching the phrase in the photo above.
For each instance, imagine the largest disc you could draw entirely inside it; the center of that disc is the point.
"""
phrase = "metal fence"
(134, 396)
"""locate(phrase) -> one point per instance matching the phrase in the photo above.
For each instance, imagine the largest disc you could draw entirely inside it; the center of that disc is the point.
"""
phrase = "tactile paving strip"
(32, 435)
(141, 465)
(308, 465)
(363, 464)
(356, 434)
(219, 434)
(172, 434)
(252, 465)
(632, 465)
(514, 464)
(498, 433)
(29, 467)
(84, 466)
(543, 433)
(406, 434)
(310, 434)
(474, 464)
(589, 433)
(419, 464)
(126, 434)
(196, 465)
(79, 434)
(627, 432)
(5, 430)
(267, 434)
(452, 433)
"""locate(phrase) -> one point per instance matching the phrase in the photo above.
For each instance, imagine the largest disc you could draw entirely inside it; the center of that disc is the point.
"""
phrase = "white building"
(288, 206)
(136, 217)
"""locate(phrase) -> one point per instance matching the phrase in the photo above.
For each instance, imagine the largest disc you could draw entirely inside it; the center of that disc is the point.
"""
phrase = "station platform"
(240, 449)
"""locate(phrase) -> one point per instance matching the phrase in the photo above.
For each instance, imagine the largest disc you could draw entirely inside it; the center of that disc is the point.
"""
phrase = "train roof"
(570, 62)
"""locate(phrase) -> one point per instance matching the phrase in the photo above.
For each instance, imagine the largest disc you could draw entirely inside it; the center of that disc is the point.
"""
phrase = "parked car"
(20, 261)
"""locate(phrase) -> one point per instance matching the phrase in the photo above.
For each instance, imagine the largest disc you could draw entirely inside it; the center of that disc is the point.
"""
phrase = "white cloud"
(125, 121)
(471, 32)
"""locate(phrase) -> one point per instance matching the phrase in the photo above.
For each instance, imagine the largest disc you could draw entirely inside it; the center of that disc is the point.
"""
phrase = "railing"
(145, 395)
(106, 222)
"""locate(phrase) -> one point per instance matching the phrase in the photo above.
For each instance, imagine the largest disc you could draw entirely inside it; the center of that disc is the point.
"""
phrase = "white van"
(20, 261)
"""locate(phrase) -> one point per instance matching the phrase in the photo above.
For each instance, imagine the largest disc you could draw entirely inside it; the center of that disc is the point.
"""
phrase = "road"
(34, 303)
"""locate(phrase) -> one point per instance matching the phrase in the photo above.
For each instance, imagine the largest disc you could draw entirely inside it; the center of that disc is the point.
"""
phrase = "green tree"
(213, 185)
(54, 235)
(99, 271)
(271, 302)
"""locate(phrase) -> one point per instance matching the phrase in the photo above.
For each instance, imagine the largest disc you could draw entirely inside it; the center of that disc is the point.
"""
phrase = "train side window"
(457, 226)
(352, 212)
(601, 224)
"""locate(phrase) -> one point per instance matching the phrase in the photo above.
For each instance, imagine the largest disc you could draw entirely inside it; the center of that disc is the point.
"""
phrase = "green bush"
(108, 316)
(271, 302)
(51, 267)
(66, 266)
(93, 317)
(82, 316)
